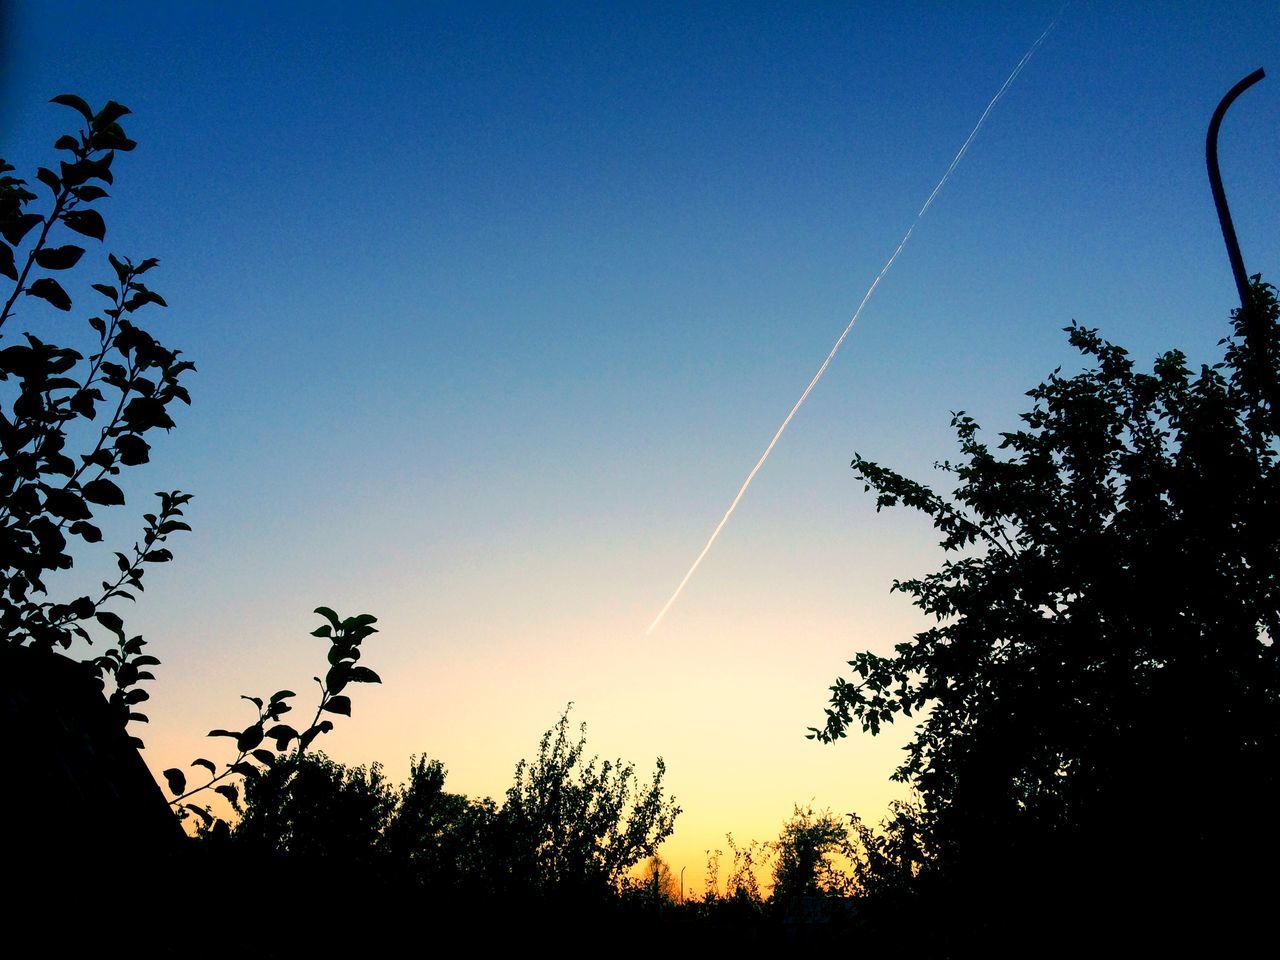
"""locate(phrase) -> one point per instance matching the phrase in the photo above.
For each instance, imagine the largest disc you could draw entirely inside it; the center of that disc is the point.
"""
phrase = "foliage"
(573, 823)
(1105, 618)
(808, 855)
(655, 882)
(439, 840)
(569, 826)
(742, 883)
(261, 748)
(711, 881)
(70, 421)
(309, 807)
(887, 860)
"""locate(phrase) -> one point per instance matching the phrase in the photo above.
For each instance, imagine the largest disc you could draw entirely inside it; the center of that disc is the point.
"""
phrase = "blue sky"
(494, 307)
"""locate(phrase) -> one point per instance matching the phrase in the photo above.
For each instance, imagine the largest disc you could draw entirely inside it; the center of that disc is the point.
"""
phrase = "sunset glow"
(493, 308)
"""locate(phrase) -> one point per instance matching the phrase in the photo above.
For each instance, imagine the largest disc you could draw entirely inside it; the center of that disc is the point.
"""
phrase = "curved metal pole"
(1215, 182)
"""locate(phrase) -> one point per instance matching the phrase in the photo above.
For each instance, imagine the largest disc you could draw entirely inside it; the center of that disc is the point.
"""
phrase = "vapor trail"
(964, 148)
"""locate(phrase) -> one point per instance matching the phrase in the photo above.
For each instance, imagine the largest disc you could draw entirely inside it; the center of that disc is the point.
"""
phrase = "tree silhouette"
(441, 841)
(1102, 676)
(313, 809)
(79, 405)
(73, 417)
(655, 881)
(807, 854)
(578, 824)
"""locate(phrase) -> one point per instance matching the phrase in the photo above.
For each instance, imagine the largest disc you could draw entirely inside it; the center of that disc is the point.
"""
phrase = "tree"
(1102, 677)
(655, 882)
(72, 418)
(263, 745)
(71, 421)
(438, 840)
(807, 856)
(313, 809)
(573, 824)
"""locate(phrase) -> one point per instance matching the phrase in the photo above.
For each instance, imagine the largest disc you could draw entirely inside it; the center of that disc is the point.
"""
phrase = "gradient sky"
(494, 307)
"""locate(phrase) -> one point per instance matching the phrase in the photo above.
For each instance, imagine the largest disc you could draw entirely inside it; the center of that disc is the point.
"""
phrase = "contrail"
(854, 319)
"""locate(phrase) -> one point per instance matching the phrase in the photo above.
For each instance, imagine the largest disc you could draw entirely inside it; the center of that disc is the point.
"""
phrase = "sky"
(494, 306)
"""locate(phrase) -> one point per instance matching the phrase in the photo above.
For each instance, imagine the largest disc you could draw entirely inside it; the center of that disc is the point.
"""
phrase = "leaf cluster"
(1108, 602)
(263, 744)
(808, 854)
(72, 418)
(578, 822)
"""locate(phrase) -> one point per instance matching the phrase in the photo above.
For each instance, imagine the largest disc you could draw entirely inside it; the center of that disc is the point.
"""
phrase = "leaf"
(109, 114)
(84, 168)
(110, 620)
(7, 266)
(324, 726)
(250, 738)
(66, 504)
(229, 791)
(47, 288)
(86, 222)
(145, 295)
(112, 139)
(341, 705)
(49, 179)
(283, 734)
(207, 764)
(71, 100)
(337, 677)
(132, 449)
(59, 258)
(17, 228)
(177, 781)
(102, 491)
(224, 733)
(364, 675)
(265, 757)
(328, 615)
(200, 812)
(90, 192)
(86, 531)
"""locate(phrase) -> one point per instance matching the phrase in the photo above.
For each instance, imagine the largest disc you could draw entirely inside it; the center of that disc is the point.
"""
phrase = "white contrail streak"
(854, 319)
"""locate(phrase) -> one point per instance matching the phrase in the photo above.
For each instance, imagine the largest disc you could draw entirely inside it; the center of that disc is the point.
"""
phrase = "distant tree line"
(561, 842)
